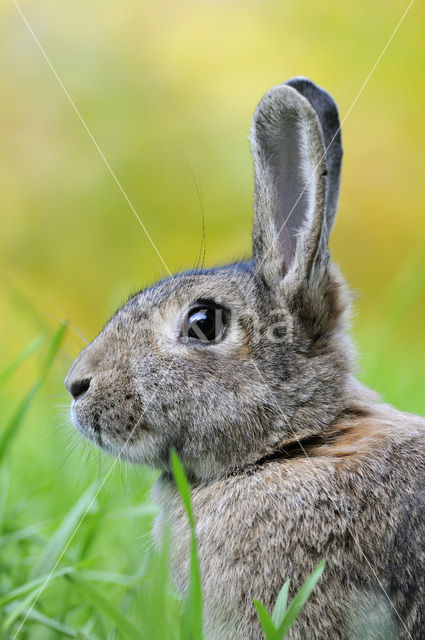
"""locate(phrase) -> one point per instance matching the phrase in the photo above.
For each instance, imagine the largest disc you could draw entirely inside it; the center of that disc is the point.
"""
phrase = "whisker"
(70, 323)
(200, 262)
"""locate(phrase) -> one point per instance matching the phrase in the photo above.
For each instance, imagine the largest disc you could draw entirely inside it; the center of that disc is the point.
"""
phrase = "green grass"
(62, 576)
(171, 111)
(276, 626)
(76, 554)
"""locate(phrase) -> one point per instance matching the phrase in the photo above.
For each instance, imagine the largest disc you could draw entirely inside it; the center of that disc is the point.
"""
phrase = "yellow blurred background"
(168, 89)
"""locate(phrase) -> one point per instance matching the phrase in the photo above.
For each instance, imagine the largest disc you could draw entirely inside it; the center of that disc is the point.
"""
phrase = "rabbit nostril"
(79, 388)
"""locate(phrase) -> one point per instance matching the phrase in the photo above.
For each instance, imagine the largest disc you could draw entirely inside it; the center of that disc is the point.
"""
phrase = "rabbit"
(247, 371)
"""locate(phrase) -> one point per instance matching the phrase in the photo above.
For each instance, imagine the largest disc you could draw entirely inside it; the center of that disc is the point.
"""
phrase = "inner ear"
(285, 148)
(327, 112)
(290, 188)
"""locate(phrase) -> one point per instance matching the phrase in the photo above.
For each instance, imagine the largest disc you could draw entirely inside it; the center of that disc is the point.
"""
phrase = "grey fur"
(291, 460)
(327, 112)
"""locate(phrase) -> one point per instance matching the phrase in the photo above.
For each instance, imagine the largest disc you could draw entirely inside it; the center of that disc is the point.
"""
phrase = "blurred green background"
(168, 89)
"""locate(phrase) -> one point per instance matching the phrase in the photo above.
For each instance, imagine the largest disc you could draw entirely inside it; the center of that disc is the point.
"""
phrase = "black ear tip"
(301, 83)
(325, 107)
(304, 85)
(319, 98)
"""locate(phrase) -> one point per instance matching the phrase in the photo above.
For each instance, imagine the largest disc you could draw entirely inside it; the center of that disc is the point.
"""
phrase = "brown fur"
(277, 520)
(351, 438)
(291, 460)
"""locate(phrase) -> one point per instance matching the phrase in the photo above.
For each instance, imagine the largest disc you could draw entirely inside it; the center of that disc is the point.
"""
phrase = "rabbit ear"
(296, 146)
(327, 112)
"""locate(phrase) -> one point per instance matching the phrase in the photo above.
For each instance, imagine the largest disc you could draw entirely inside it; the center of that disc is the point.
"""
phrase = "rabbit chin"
(135, 448)
(146, 447)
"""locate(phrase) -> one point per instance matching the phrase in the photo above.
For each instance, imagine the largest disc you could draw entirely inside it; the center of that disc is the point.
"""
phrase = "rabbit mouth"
(90, 430)
(109, 435)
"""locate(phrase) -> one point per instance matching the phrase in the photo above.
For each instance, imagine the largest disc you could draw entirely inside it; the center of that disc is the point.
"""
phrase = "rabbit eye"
(205, 323)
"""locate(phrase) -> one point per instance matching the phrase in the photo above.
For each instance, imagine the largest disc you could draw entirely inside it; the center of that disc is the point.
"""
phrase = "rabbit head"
(229, 364)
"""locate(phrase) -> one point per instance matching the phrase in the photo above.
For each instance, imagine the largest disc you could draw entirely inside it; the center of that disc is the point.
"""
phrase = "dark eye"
(205, 323)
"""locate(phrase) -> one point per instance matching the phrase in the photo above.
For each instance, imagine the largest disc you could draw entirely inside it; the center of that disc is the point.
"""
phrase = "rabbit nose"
(79, 388)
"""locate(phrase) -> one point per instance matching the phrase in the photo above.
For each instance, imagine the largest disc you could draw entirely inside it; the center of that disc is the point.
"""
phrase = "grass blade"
(32, 586)
(125, 627)
(12, 428)
(193, 611)
(300, 599)
(109, 577)
(18, 610)
(280, 606)
(25, 533)
(155, 611)
(61, 628)
(60, 538)
(182, 485)
(15, 364)
(192, 616)
(16, 421)
(269, 629)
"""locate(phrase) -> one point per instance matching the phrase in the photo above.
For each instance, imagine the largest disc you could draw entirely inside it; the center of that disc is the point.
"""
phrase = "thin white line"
(163, 262)
(90, 134)
(46, 582)
(43, 587)
(336, 133)
(350, 529)
(277, 234)
(377, 62)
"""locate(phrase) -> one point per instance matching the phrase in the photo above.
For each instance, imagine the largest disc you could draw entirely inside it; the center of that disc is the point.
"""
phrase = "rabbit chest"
(276, 521)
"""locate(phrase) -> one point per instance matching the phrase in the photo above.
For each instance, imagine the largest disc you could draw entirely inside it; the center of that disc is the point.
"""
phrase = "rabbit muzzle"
(106, 408)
